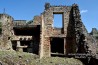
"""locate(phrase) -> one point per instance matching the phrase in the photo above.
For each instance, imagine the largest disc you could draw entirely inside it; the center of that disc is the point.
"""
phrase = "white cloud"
(83, 11)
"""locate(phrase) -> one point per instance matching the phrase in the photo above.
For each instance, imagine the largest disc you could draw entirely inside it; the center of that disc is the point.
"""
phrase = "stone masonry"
(39, 36)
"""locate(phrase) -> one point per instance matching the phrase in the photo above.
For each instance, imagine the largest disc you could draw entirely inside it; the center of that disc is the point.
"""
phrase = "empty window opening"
(28, 44)
(58, 20)
(32, 46)
(57, 46)
(14, 44)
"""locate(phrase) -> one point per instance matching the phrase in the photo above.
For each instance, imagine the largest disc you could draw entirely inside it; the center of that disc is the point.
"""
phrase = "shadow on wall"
(70, 38)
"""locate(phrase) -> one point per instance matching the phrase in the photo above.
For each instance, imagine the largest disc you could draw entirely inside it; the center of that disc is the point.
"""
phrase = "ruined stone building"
(94, 34)
(39, 36)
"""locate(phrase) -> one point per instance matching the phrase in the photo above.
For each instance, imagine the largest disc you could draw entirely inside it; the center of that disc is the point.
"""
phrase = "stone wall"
(94, 35)
(64, 32)
(35, 21)
(7, 23)
(89, 43)
(73, 31)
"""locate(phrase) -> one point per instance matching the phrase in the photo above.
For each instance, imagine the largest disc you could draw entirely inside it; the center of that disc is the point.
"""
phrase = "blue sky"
(27, 9)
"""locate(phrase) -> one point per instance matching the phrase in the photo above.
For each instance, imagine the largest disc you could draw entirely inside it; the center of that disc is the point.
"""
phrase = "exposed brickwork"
(38, 35)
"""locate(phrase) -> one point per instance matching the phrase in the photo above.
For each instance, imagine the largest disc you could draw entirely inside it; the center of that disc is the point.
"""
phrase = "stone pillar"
(41, 37)
(19, 47)
(46, 48)
(66, 22)
(44, 41)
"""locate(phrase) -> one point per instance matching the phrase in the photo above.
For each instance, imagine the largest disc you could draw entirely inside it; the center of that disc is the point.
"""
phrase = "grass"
(14, 58)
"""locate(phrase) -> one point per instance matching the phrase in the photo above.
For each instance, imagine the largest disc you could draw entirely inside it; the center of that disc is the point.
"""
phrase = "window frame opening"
(58, 20)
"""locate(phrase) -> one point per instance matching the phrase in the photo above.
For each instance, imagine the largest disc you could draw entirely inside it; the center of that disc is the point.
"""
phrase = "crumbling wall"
(73, 32)
(82, 36)
(50, 31)
(94, 35)
(19, 22)
(5, 39)
(35, 21)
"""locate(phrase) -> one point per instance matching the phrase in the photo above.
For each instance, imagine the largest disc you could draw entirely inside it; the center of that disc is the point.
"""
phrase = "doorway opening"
(57, 46)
